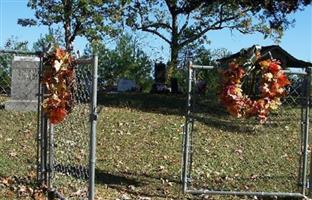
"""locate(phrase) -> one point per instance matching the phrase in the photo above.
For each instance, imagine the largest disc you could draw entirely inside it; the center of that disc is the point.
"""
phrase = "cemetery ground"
(139, 140)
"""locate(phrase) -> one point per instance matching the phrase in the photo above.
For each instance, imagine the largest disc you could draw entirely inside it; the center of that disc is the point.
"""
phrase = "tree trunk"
(174, 55)
(174, 47)
(67, 24)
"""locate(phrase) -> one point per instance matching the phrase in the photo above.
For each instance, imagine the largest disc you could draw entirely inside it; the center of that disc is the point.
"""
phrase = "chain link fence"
(5, 77)
(243, 157)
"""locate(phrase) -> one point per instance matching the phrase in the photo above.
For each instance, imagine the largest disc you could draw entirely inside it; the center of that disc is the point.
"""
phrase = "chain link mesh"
(5, 77)
(242, 155)
(71, 141)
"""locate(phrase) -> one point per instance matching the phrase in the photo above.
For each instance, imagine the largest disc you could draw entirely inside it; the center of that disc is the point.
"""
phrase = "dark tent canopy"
(287, 60)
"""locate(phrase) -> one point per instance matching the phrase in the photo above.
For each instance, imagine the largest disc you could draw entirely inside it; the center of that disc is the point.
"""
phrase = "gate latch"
(93, 117)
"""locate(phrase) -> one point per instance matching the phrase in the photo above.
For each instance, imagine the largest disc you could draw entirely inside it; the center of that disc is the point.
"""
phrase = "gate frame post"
(93, 120)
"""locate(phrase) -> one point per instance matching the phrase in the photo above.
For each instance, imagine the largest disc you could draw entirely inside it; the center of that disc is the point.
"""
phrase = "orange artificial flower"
(282, 80)
(57, 115)
(274, 67)
(60, 53)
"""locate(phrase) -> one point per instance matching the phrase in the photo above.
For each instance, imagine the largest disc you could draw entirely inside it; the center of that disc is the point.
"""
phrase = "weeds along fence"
(242, 157)
(19, 79)
(66, 160)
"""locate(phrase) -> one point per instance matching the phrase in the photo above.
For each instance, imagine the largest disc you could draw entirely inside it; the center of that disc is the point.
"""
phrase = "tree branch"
(215, 26)
(158, 25)
(171, 7)
(146, 29)
(77, 28)
(185, 24)
(190, 6)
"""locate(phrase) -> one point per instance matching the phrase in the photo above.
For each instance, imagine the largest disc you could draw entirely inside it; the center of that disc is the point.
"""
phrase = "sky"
(297, 40)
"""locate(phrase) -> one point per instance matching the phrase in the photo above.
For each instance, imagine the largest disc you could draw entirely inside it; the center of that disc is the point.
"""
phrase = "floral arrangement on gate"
(58, 78)
(273, 81)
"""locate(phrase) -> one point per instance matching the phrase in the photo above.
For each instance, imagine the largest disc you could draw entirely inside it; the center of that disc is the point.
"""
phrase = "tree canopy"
(181, 22)
(126, 60)
(92, 19)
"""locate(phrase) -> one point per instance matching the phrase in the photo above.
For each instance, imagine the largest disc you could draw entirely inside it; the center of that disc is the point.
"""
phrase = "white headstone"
(125, 85)
(24, 84)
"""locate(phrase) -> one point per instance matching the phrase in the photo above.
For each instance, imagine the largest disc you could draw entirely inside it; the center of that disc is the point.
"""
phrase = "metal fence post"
(187, 129)
(306, 130)
(39, 122)
(307, 121)
(93, 118)
(43, 141)
(51, 155)
(302, 121)
(191, 121)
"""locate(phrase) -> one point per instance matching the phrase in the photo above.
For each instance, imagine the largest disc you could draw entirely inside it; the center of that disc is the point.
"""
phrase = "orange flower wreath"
(272, 88)
(58, 78)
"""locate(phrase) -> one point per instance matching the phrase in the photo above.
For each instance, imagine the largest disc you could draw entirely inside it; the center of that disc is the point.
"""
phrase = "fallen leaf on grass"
(145, 198)
(124, 197)
(20, 187)
(254, 176)
(38, 196)
(79, 193)
(131, 187)
(13, 153)
(238, 151)
(7, 181)
(23, 191)
(9, 194)
(32, 175)
(161, 168)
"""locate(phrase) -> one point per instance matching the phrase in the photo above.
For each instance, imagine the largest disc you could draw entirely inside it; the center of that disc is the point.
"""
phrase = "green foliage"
(92, 19)
(53, 38)
(126, 60)
(208, 57)
(6, 61)
(201, 56)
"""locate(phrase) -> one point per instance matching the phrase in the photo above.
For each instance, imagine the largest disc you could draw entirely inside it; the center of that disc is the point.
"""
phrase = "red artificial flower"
(282, 80)
(57, 115)
(274, 67)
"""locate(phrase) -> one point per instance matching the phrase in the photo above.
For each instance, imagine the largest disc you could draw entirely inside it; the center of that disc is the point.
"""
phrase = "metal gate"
(202, 173)
(66, 151)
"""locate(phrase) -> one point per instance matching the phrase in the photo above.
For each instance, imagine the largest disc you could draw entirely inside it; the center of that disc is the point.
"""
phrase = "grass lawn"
(139, 149)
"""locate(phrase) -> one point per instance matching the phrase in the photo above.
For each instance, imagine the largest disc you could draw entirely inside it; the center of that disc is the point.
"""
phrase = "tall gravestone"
(24, 84)
(160, 73)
